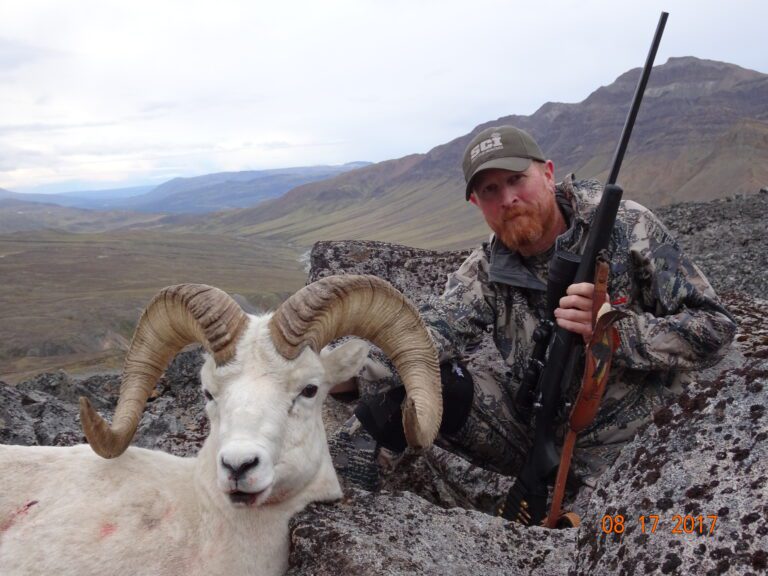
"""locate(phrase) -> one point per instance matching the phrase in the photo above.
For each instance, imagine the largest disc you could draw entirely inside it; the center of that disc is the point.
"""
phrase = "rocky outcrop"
(702, 456)
(44, 411)
(387, 533)
(701, 471)
(726, 239)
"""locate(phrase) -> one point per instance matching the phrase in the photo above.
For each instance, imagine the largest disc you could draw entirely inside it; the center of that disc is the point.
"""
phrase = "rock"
(726, 238)
(44, 411)
(417, 273)
(703, 455)
(702, 469)
(16, 426)
(401, 534)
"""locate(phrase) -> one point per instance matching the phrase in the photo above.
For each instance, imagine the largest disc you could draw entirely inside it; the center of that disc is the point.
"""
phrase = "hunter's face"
(520, 207)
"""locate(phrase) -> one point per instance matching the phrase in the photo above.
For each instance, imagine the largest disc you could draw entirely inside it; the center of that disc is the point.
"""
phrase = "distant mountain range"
(21, 216)
(87, 199)
(702, 133)
(195, 195)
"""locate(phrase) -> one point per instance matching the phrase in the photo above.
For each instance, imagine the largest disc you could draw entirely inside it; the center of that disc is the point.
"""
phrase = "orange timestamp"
(649, 524)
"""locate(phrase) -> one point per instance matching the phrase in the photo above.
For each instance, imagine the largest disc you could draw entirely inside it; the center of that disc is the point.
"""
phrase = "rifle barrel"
(618, 156)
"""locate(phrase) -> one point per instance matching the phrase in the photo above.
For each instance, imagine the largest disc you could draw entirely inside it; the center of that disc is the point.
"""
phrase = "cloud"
(15, 54)
(53, 127)
(150, 110)
(12, 158)
(96, 89)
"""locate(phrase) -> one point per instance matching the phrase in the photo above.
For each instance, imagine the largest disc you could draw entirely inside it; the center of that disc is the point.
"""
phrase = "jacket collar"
(507, 267)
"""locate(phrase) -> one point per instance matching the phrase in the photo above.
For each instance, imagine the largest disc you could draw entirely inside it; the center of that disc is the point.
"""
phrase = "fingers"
(578, 296)
(574, 315)
(576, 321)
(576, 303)
(575, 311)
(582, 288)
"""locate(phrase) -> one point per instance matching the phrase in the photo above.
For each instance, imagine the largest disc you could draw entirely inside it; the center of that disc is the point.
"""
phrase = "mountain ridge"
(702, 133)
(194, 194)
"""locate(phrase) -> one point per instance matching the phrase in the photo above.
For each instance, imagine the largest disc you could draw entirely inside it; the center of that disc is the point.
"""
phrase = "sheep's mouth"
(239, 498)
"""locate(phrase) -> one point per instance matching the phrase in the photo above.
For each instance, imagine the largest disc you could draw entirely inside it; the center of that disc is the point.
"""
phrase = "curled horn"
(177, 316)
(371, 308)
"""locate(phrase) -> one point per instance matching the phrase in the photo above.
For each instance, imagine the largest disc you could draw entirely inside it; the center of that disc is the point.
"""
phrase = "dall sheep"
(67, 511)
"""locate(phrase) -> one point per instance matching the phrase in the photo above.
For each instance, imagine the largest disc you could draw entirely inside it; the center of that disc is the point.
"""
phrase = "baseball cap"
(504, 147)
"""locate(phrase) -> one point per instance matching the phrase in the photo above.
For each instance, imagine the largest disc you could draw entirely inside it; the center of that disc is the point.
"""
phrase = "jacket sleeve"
(675, 318)
(458, 319)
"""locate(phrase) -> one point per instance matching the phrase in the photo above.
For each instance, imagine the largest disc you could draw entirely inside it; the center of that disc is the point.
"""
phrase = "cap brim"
(513, 164)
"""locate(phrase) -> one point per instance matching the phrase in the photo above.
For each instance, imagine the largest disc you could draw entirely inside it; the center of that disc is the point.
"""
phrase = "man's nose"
(508, 196)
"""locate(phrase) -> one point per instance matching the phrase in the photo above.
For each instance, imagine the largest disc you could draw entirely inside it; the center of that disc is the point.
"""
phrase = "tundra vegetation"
(71, 301)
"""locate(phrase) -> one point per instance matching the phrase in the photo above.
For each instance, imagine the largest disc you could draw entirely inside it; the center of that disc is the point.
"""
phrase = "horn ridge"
(178, 315)
(371, 308)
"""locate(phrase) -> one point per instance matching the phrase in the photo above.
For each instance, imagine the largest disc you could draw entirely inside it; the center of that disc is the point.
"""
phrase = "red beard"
(525, 225)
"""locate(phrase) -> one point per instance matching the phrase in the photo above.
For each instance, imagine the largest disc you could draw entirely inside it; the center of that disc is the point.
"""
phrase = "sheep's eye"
(208, 396)
(310, 390)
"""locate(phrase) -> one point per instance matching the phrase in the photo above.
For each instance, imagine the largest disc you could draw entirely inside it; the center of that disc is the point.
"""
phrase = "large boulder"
(44, 410)
(701, 471)
(702, 456)
(388, 533)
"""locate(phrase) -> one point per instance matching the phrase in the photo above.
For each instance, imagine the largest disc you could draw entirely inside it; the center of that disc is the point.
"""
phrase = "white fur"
(67, 511)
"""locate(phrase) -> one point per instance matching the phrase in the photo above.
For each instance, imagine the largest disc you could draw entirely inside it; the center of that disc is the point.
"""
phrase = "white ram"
(130, 511)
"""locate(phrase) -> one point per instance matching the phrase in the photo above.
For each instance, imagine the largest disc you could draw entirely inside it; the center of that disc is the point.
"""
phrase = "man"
(674, 321)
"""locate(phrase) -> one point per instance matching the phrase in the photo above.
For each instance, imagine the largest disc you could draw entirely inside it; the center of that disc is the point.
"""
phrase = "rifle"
(544, 381)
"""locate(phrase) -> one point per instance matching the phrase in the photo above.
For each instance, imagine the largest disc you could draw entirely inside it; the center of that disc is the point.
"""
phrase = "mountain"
(227, 190)
(18, 216)
(97, 197)
(702, 133)
(38, 198)
(195, 195)
(84, 199)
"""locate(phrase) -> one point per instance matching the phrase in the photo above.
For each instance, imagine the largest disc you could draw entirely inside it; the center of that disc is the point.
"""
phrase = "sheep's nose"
(238, 469)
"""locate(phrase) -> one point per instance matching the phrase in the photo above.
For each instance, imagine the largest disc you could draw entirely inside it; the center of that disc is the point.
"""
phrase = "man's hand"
(575, 311)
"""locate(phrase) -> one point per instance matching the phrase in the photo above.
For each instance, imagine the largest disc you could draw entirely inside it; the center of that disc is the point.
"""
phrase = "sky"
(107, 94)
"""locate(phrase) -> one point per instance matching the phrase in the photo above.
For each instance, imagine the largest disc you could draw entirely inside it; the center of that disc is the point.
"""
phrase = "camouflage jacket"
(675, 322)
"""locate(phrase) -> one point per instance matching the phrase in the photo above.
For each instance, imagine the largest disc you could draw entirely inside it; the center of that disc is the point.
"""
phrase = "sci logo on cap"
(492, 143)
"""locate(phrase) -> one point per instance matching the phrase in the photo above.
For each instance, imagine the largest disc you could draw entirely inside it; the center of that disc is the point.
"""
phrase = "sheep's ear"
(345, 361)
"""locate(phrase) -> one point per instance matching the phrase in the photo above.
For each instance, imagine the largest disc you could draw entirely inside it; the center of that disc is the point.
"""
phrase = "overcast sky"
(104, 94)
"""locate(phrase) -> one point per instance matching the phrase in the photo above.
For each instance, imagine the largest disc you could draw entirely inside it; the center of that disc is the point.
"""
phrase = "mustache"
(516, 212)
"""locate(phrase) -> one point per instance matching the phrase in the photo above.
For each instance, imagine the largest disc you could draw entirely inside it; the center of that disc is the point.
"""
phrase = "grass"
(72, 300)
(424, 215)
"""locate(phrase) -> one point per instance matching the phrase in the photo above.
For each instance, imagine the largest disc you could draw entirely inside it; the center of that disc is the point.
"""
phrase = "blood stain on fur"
(15, 515)
(107, 529)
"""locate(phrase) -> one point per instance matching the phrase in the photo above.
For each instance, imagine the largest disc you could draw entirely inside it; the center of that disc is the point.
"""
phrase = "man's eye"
(208, 396)
(310, 391)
